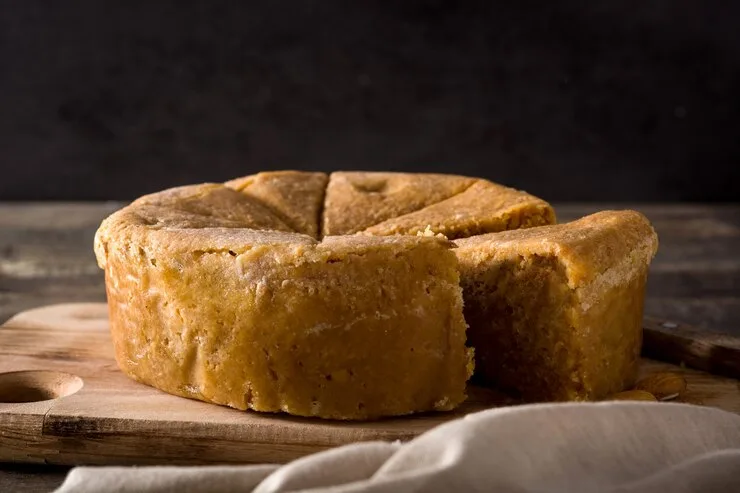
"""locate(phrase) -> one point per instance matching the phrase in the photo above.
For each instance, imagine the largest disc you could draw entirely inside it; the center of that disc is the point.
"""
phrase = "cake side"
(485, 207)
(356, 200)
(610, 296)
(555, 312)
(609, 335)
(351, 328)
(297, 197)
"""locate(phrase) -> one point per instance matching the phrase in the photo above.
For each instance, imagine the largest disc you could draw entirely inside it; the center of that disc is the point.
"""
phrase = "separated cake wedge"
(555, 312)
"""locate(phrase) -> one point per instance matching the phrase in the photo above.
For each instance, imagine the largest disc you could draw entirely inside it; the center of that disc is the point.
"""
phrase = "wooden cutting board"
(80, 409)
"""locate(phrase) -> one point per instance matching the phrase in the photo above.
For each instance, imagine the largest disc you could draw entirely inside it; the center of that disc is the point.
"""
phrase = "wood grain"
(679, 343)
(113, 420)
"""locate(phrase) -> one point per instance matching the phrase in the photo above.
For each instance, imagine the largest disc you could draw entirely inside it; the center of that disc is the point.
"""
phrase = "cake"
(555, 312)
(213, 297)
(207, 205)
(341, 296)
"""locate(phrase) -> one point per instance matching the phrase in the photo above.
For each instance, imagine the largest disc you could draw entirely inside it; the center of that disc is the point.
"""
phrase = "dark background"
(603, 100)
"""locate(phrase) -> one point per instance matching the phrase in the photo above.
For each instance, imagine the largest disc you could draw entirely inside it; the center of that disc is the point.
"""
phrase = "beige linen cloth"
(597, 447)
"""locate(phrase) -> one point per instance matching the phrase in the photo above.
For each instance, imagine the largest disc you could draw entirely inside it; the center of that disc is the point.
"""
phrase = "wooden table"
(46, 257)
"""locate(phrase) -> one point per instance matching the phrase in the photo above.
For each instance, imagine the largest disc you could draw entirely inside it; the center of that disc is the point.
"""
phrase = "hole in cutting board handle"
(37, 385)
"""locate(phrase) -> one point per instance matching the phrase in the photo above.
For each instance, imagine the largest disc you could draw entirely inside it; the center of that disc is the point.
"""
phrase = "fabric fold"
(632, 447)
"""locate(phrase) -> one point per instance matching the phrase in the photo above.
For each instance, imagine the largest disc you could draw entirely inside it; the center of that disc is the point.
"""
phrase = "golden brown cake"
(484, 207)
(297, 197)
(555, 312)
(340, 296)
(356, 200)
(206, 303)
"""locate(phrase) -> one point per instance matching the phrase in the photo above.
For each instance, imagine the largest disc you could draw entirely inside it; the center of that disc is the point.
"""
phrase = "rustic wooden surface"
(46, 257)
(105, 418)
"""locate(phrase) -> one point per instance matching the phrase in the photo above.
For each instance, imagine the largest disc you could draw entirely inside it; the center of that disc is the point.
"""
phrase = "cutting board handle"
(682, 344)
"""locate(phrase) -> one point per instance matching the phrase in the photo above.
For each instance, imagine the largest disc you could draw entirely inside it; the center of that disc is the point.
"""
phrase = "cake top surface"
(296, 197)
(311, 208)
(617, 243)
(356, 200)
(203, 206)
(482, 206)
(279, 209)
(319, 205)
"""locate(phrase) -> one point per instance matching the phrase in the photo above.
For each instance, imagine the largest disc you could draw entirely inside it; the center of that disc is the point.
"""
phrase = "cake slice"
(297, 197)
(555, 312)
(485, 207)
(203, 206)
(356, 200)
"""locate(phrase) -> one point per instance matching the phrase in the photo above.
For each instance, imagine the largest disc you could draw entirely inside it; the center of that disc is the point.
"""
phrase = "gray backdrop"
(601, 100)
